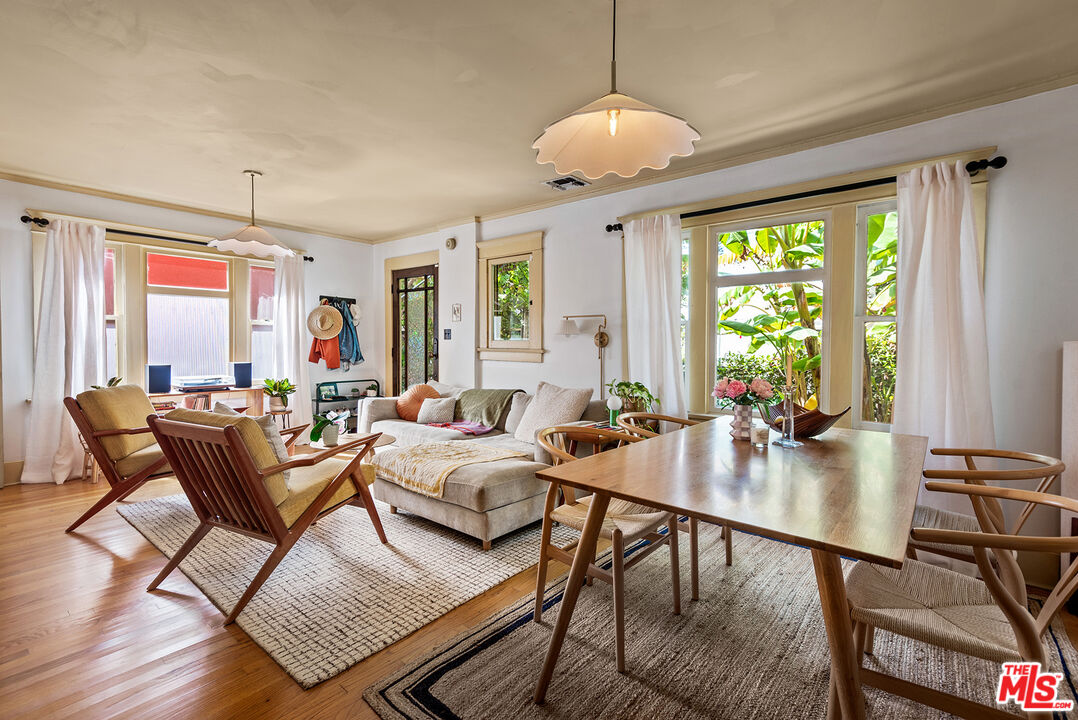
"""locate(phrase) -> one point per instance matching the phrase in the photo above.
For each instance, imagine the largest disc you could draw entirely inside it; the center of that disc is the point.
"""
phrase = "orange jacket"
(328, 350)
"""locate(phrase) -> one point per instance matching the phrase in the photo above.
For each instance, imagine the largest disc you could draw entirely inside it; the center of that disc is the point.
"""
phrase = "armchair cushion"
(307, 482)
(269, 429)
(139, 460)
(116, 408)
(252, 437)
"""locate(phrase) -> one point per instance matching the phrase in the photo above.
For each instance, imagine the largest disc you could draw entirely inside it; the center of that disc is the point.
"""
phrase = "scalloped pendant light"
(615, 134)
(252, 239)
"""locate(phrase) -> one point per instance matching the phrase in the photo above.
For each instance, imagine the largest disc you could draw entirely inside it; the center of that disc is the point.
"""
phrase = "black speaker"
(242, 372)
(158, 378)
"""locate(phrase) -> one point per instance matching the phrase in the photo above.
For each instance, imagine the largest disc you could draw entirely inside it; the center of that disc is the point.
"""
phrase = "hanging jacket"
(348, 339)
(328, 350)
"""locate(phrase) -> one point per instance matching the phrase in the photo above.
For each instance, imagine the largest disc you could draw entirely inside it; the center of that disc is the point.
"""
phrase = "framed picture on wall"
(456, 312)
(327, 391)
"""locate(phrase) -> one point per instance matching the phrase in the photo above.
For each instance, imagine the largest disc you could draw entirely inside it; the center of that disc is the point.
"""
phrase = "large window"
(511, 298)
(188, 316)
(875, 326)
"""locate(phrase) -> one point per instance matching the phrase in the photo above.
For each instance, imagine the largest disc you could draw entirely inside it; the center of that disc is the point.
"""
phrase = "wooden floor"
(81, 637)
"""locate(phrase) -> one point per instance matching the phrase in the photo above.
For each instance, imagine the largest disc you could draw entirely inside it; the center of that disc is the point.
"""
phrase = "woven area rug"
(340, 595)
(752, 647)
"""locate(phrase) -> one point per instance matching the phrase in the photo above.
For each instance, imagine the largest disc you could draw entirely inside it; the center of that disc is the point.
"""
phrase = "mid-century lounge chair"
(989, 619)
(625, 523)
(1036, 467)
(112, 422)
(235, 482)
(649, 425)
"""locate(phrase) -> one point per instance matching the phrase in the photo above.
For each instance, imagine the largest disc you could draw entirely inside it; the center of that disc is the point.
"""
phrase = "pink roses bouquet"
(736, 392)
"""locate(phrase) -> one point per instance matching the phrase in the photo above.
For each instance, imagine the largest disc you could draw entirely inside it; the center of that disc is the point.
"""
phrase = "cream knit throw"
(424, 468)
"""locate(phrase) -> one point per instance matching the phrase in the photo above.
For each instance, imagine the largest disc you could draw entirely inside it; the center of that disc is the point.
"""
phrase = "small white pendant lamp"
(615, 134)
(252, 239)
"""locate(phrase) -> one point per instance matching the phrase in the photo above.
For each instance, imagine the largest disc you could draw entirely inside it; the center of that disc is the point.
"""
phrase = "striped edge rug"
(339, 595)
(754, 646)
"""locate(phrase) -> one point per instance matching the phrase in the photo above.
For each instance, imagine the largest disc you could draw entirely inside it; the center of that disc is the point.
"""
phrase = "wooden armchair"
(989, 619)
(1042, 468)
(649, 425)
(235, 482)
(625, 522)
(112, 423)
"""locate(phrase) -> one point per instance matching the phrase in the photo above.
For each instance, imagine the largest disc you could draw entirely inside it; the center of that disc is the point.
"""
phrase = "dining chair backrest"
(1004, 577)
(649, 424)
(561, 441)
(1043, 468)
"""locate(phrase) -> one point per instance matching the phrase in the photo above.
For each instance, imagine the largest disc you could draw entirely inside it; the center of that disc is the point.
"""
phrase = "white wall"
(341, 267)
(1031, 255)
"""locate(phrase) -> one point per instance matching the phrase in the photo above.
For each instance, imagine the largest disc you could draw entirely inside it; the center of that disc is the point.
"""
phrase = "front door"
(415, 316)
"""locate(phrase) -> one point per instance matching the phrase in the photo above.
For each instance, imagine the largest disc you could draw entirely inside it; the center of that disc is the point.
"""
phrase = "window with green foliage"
(875, 326)
(769, 301)
(511, 300)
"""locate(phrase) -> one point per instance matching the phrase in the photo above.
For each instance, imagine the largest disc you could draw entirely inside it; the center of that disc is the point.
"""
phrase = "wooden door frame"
(402, 262)
(423, 271)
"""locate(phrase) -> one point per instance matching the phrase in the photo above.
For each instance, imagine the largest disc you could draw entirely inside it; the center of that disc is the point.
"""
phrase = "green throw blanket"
(483, 406)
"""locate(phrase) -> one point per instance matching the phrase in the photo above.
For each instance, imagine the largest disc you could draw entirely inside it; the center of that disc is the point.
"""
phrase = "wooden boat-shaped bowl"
(807, 423)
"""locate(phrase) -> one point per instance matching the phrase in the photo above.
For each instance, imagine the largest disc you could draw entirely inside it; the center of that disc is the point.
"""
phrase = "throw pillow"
(411, 400)
(436, 410)
(551, 405)
(516, 411)
(269, 429)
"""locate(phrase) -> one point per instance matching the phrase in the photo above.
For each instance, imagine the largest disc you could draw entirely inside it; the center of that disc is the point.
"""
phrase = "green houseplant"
(635, 396)
(112, 382)
(278, 391)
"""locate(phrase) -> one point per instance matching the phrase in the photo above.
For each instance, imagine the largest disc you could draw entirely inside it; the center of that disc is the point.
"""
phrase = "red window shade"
(110, 281)
(186, 272)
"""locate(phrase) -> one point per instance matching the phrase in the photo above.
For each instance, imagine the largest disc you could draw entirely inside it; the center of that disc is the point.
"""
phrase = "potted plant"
(112, 382)
(743, 396)
(372, 390)
(278, 391)
(635, 397)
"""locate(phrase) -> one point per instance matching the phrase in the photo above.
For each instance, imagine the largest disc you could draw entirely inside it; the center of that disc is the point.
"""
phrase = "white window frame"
(718, 282)
(861, 319)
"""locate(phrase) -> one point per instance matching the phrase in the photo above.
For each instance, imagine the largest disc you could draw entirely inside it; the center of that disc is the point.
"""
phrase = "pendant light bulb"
(612, 119)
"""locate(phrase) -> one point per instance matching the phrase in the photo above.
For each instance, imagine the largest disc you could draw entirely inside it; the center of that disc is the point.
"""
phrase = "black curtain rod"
(972, 167)
(43, 222)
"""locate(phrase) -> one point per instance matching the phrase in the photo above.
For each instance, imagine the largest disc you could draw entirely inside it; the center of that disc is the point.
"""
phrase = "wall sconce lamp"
(570, 326)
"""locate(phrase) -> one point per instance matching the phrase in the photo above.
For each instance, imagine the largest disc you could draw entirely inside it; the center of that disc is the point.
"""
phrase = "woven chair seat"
(634, 521)
(929, 517)
(934, 605)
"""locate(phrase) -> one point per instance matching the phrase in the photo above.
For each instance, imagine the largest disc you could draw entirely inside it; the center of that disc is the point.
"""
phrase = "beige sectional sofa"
(484, 500)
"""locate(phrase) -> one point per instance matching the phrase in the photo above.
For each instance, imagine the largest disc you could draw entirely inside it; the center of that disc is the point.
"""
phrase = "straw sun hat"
(325, 322)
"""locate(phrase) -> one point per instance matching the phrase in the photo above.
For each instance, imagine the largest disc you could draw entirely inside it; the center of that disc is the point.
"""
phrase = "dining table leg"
(584, 555)
(845, 666)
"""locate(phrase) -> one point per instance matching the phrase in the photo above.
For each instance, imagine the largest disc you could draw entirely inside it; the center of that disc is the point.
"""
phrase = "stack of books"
(164, 405)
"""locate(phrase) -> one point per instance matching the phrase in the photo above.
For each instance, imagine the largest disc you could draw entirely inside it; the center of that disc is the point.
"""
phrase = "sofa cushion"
(437, 410)
(552, 405)
(409, 433)
(506, 441)
(489, 485)
(516, 411)
(409, 402)
(116, 408)
(252, 437)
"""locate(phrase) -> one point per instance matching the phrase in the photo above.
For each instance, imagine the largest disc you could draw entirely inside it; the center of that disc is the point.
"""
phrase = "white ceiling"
(374, 118)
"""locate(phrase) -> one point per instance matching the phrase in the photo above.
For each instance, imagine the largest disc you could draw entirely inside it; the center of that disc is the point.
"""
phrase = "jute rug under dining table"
(754, 646)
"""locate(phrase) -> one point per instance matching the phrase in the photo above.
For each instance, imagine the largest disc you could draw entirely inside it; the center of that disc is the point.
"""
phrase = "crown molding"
(134, 199)
(426, 229)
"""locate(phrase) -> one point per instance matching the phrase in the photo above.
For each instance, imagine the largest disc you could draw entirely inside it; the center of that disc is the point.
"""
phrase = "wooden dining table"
(847, 493)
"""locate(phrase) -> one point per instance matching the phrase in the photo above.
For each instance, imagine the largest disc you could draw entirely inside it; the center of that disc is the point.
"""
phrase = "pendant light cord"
(252, 198)
(614, 50)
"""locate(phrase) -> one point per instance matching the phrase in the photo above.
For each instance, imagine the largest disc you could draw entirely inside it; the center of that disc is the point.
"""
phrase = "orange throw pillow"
(409, 402)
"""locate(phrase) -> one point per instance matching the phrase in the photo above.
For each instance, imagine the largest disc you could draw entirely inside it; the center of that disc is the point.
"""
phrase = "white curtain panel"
(653, 308)
(290, 336)
(942, 387)
(69, 352)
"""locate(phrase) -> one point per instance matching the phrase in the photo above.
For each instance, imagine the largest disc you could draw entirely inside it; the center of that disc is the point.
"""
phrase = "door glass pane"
(880, 351)
(180, 271)
(509, 319)
(779, 310)
(767, 249)
(261, 293)
(882, 263)
(189, 332)
(416, 334)
(432, 359)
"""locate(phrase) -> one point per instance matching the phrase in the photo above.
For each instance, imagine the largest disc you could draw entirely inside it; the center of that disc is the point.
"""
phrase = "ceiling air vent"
(567, 182)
